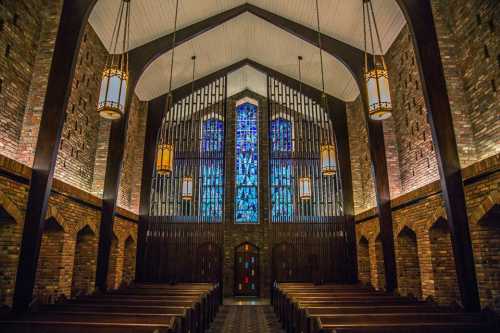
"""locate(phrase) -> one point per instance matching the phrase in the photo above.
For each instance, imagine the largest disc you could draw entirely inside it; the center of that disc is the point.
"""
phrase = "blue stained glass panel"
(212, 169)
(247, 162)
(281, 170)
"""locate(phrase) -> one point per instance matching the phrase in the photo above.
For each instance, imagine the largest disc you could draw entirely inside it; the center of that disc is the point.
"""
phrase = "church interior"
(298, 166)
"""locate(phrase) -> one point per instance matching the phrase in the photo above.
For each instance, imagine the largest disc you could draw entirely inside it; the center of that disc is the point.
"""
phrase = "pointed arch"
(489, 203)
(409, 280)
(12, 210)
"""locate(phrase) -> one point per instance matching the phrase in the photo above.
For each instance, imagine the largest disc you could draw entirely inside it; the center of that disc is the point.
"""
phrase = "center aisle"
(245, 319)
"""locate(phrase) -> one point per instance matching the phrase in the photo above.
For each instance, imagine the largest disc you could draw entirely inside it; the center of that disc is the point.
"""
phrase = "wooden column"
(116, 148)
(156, 110)
(71, 26)
(421, 24)
(378, 158)
(338, 114)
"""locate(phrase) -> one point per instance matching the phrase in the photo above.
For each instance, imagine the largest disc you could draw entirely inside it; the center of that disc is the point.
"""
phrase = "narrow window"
(247, 163)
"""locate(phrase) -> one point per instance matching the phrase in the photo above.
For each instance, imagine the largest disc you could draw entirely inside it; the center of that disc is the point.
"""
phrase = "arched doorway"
(364, 261)
(84, 267)
(246, 270)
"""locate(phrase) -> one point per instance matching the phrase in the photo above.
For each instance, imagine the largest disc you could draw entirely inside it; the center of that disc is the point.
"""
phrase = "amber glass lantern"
(376, 75)
(164, 159)
(379, 96)
(113, 93)
(328, 159)
(187, 188)
(305, 190)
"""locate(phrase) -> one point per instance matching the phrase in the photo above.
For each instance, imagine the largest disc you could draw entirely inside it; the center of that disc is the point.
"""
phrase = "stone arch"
(54, 215)
(377, 263)
(88, 222)
(11, 221)
(115, 257)
(50, 265)
(85, 258)
(443, 263)
(408, 267)
(8, 208)
(485, 234)
(364, 260)
(129, 260)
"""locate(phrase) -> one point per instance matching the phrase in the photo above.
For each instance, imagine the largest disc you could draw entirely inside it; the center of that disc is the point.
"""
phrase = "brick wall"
(420, 225)
(131, 173)
(38, 86)
(362, 177)
(473, 28)
(19, 37)
(76, 157)
(68, 254)
(417, 164)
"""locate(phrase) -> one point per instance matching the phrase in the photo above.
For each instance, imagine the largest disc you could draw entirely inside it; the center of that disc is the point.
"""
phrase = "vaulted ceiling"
(248, 37)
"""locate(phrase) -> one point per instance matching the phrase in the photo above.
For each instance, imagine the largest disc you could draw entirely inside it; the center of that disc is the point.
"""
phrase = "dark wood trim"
(156, 111)
(421, 23)
(114, 163)
(73, 20)
(338, 114)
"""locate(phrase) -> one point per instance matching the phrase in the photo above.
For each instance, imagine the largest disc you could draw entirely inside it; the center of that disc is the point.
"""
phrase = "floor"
(246, 315)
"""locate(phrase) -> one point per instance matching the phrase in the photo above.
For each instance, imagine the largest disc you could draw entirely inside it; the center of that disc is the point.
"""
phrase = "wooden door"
(246, 270)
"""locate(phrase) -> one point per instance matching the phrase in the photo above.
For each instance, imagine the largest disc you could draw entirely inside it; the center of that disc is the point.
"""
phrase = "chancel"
(298, 166)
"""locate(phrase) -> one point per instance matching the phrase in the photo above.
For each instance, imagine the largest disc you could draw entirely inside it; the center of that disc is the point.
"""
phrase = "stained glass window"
(212, 172)
(281, 169)
(247, 163)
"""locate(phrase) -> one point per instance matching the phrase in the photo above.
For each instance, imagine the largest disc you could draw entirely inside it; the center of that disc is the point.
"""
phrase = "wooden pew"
(148, 308)
(305, 308)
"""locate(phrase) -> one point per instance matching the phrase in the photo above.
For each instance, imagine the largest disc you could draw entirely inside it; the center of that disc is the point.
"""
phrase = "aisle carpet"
(246, 319)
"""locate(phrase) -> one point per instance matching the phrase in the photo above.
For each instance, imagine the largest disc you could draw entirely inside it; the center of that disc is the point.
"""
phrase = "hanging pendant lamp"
(114, 83)
(328, 154)
(305, 191)
(376, 76)
(165, 148)
(187, 182)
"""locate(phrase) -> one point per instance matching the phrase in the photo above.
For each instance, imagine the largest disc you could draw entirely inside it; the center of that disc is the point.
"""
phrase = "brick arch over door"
(364, 260)
(84, 266)
(408, 267)
(11, 220)
(485, 226)
(443, 263)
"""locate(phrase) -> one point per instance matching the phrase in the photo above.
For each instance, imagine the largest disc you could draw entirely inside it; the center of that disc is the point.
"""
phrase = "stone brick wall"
(34, 104)
(20, 23)
(68, 254)
(424, 256)
(362, 176)
(469, 34)
(130, 178)
(76, 157)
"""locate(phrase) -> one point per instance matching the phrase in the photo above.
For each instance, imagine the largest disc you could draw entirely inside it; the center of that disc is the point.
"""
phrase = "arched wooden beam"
(74, 17)
(421, 23)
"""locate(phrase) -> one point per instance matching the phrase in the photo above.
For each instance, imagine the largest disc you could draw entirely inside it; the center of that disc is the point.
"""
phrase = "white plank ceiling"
(248, 37)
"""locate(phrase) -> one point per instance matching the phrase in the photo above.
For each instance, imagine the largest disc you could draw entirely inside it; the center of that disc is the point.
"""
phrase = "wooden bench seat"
(142, 308)
(334, 308)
